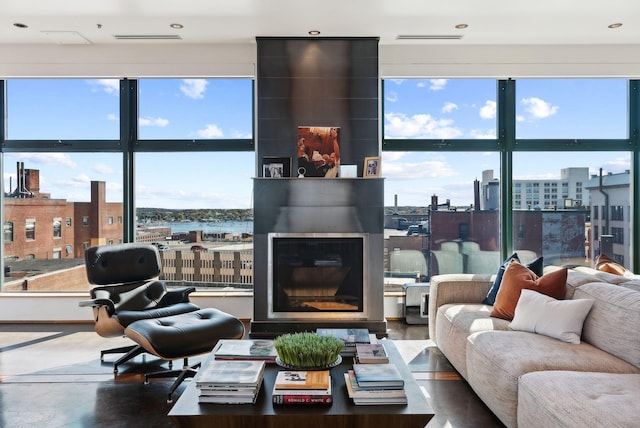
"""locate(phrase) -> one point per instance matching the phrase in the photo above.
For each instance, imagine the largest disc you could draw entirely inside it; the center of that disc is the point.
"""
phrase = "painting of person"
(319, 151)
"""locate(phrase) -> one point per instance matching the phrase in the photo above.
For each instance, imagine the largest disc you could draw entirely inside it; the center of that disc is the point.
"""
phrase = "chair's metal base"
(182, 374)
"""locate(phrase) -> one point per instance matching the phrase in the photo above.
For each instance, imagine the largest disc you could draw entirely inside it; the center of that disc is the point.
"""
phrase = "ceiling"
(521, 22)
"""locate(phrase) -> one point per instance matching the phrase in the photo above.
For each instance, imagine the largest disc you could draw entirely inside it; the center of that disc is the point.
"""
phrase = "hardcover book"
(372, 396)
(231, 374)
(288, 379)
(251, 349)
(371, 353)
(302, 396)
(378, 376)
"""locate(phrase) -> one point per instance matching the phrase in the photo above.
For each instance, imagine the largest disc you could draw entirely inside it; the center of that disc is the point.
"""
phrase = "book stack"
(350, 336)
(230, 382)
(251, 349)
(375, 384)
(302, 387)
(371, 353)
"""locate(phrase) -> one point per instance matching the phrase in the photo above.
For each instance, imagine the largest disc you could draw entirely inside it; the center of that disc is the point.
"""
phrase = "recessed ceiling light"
(176, 26)
(616, 25)
(462, 26)
(314, 33)
(19, 25)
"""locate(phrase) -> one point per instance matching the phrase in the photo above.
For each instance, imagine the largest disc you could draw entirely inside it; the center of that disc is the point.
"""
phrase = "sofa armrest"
(455, 288)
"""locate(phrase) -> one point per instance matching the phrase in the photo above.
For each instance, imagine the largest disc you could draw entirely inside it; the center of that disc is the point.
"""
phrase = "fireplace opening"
(316, 273)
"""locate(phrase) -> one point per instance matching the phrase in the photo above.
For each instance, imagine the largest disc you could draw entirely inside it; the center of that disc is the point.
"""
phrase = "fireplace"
(318, 255)
(315, 275)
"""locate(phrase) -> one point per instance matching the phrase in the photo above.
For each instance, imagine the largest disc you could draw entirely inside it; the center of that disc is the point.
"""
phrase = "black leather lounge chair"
(128, 291)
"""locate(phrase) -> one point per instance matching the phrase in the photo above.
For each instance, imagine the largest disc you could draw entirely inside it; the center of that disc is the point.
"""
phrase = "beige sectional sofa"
(532, 380)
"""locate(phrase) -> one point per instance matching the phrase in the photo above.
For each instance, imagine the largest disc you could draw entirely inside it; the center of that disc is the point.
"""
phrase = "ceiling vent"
(429, 37)
(147, 37)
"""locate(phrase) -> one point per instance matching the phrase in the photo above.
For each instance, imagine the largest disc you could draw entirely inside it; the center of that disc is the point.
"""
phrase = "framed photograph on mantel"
(276, 167)
(371, 167)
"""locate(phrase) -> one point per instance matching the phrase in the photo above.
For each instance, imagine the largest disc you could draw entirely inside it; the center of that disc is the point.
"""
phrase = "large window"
(195, 109)
(571, 108)
(440, 108)
(75, 165)
(442, 207)
(197, 208)
(63, 109)
(565, 190)
(558, 228)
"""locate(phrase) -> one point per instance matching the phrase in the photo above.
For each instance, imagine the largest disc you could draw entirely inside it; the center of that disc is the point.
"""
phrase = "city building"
(567, 192)
(610, 215)
(37, 226)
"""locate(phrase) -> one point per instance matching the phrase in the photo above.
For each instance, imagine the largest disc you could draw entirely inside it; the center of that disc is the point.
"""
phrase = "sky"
(221, 108)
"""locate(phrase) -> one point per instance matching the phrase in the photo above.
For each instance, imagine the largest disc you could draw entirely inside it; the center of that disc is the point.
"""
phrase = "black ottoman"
(183, 336)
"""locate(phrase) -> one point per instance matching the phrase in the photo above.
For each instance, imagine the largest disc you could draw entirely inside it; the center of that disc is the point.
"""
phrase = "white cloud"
(110, 86)
(449, 107)
(396, 81)
(488, 110)
(416, 170)
(392, 97)
(210, 131)
(153, 121)
(538, 108)
(399, 125)
(520, 118)
(103, 169)
(112, 117)
(194, 88)
(421, 85)
(437, 84)
(615, 166)
(59, 159)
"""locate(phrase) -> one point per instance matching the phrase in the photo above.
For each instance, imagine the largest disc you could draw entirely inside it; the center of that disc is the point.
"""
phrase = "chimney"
(476, 195)
(434, 202)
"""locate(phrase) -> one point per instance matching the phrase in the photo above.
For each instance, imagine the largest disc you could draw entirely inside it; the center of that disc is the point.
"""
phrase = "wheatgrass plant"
(308, 349)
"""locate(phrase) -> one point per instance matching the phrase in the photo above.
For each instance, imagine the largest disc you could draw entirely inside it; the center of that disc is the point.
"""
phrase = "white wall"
(174, 59)
(63, 307)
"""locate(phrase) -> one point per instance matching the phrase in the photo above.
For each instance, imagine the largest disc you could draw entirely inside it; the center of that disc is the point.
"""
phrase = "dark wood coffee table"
(187, 412)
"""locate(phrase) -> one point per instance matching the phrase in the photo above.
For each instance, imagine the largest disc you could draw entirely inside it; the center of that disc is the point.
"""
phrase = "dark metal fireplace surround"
(318, 242)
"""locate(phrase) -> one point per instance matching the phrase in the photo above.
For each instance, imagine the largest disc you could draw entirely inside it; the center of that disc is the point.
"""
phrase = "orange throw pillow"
(516, 278)
(607, 264)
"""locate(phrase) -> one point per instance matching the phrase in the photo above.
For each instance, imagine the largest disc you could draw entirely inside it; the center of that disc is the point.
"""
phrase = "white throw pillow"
(560, 319)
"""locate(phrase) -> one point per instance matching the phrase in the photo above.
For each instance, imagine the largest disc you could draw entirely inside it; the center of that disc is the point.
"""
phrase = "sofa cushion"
(454, 322)
(516, 278)
(497, 359)
(493, 291)
(560, 319)
(536, 266)
(588, 400)
(612, 324)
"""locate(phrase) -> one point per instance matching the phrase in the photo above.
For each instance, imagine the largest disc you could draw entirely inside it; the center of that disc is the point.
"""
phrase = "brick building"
(39, 227)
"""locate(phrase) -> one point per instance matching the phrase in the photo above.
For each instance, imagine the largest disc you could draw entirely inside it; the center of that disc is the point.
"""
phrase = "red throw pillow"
(516, 278)
(607, 264)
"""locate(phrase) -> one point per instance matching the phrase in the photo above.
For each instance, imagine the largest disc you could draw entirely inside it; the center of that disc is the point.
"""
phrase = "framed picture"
(318, 151)
(348, 171)
(275, 167)
(371, 167)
